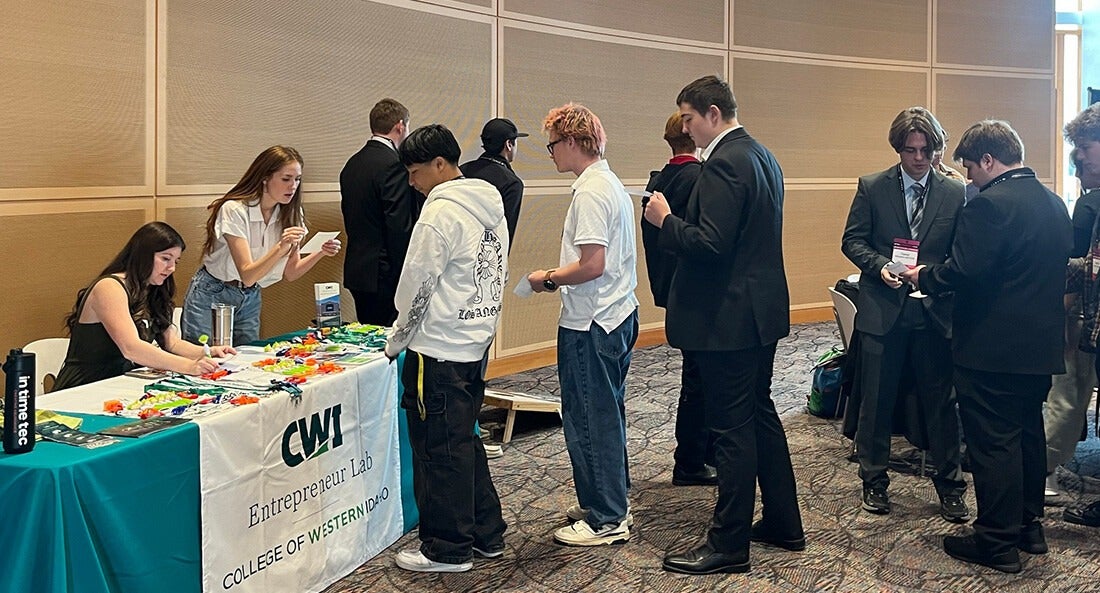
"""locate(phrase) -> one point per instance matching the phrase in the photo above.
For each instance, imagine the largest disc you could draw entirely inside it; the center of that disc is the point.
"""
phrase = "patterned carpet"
(849, 550)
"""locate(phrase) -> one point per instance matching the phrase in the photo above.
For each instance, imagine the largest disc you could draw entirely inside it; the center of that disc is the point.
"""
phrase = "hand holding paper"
(318, 242)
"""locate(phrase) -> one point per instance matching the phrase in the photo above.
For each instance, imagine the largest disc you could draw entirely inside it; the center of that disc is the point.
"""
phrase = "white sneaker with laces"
(415, 560)
(581, 534)
(577, 513)
(493, 451)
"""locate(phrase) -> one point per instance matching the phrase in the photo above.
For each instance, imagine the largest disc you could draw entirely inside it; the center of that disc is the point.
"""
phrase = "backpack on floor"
(828, 390)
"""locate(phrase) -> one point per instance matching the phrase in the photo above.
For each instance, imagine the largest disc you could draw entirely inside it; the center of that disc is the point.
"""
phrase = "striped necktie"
(917, 214)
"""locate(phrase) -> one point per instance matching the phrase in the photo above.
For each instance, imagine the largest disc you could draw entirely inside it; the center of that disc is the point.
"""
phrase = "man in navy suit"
(380, 209)
(728, 306)
(1008, 271)
(908, 210)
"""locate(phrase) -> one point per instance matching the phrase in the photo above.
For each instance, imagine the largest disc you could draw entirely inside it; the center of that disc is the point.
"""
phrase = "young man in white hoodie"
(448, 303)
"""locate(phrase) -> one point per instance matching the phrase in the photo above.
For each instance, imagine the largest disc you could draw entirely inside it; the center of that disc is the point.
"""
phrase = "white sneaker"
(1051, 489)
(577, 513)
(493, 451)
(415, 560)
(581, 534)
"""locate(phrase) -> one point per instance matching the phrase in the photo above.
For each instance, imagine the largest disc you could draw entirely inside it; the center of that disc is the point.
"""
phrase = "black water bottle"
(19, 402)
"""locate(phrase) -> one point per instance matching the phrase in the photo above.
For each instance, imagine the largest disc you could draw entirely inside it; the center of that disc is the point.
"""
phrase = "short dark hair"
(428, 142)
(917, 119)
(1085, 127)
(993, 137)
(385, 114)
(707, 91)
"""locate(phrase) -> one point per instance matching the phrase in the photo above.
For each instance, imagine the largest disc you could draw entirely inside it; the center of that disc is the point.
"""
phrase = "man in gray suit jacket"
(906, 212)
(728, 306)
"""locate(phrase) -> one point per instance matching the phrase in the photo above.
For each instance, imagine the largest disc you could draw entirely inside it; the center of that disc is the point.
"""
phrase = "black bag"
(829, 388)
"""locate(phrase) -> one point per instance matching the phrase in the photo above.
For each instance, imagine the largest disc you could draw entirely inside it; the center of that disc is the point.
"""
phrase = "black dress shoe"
(707, 476)
(875, 500)
(704, 560)
(967, 549)
(953, 509)
(762, 535)
(1032, 540)
(1088, 516)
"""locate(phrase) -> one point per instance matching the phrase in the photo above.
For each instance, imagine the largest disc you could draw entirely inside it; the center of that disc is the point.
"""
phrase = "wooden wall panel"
(824, 120)
(43, 269)
(873, 29)
(631, 88)
(307, 75)
(1027, 103)
(702, 20)
(813, 223)
(73, 94)
(996, 33)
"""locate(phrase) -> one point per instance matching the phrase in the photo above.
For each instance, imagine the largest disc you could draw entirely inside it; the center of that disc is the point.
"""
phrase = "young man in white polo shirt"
(597, 328)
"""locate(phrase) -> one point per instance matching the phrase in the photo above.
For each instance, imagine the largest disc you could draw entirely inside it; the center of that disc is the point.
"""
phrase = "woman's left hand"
(222, 351)
(331, 247)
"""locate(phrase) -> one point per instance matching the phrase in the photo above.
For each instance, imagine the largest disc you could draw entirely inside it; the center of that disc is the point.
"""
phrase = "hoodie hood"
(469, 194)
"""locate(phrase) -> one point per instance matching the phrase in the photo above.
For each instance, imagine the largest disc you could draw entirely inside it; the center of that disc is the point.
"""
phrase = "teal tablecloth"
(113, 519)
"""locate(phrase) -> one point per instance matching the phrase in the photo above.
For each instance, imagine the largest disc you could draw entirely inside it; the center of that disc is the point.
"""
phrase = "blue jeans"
(204, 291)
(592, 368)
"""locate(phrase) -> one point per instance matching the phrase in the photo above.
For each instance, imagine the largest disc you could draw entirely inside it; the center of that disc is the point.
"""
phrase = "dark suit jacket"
(729, 291)
(380, 208)
(1008, 271)
(877, 217)
(675, 182)
(498, 171)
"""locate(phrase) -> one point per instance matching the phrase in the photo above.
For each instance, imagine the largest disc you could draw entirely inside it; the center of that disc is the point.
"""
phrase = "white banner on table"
(297, 494)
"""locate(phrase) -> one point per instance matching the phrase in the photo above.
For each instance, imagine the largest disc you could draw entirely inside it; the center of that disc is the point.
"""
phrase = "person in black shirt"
(498, 138)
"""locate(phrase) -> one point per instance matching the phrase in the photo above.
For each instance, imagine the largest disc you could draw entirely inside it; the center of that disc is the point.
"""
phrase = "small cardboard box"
(328, 303)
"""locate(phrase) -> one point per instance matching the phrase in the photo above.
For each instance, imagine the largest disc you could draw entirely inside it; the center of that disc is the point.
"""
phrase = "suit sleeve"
(722, 199)
(419, 279)
(858, 231)
(399, 212)
(974, 253)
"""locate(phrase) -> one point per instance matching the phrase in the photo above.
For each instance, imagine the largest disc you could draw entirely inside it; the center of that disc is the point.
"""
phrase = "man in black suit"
(498, 138)
(1007, 270)
(380, 208)
(727, 308)
(905, 212)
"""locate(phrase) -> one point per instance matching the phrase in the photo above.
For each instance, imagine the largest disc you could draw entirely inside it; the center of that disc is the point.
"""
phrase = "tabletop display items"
(19, 402)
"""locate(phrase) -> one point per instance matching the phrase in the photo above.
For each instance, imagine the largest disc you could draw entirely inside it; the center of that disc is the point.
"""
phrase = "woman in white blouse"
(252, 238)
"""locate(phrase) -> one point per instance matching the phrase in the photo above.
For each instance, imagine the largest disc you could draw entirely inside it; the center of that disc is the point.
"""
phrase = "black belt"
(233, 283)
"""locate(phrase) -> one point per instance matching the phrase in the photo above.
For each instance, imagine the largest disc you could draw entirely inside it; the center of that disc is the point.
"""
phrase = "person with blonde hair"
(597, 328)
(252, 237)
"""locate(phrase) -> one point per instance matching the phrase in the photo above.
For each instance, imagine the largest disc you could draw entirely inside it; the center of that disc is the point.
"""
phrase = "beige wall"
(124, 111)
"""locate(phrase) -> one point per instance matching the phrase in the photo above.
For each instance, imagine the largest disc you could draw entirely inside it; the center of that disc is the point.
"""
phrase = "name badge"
(905, 252)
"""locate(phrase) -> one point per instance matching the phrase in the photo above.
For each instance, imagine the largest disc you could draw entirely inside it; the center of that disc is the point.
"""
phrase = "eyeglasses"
(550, 147)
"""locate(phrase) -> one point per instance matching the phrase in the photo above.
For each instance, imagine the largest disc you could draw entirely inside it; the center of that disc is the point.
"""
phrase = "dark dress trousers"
(498, 171)
(379, 208)
(694, 445)
(902, 336)
(727, 308)
(1007, 269)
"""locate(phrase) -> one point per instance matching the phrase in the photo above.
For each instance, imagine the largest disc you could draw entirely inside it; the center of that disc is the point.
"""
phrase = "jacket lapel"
(932, 202)
(897, 200)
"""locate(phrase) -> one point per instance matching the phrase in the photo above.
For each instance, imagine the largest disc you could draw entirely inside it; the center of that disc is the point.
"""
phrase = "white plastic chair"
(49, 355)
(845, 312)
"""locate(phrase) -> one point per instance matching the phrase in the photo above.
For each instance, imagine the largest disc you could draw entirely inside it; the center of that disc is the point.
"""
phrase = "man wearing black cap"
(498, 138)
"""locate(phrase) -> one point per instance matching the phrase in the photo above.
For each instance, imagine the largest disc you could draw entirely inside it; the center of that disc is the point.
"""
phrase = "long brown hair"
(136, 261)
(251, 188)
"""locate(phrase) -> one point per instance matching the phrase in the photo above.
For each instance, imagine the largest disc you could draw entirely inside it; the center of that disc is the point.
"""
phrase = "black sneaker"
(1088, 516)
(875, 500)
(967, 549)
(1032, 540)
(953, 509)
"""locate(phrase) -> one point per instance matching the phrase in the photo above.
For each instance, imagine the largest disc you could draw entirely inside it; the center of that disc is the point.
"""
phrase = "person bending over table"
(252, 238)
(117, 316)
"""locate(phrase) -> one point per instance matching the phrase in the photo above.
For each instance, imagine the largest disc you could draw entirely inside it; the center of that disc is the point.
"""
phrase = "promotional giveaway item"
(327, 295)
(19, 402)
(221, 317)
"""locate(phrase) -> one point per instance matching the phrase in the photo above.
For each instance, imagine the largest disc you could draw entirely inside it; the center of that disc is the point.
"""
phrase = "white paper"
(896, 268)
(317, 241)
(639, 193)
(523, 288)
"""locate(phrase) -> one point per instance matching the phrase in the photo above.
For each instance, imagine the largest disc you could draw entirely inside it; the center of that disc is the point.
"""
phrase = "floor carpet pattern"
(849, 550)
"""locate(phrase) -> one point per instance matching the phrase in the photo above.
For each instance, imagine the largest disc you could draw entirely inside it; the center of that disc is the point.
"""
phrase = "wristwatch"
(549, 284)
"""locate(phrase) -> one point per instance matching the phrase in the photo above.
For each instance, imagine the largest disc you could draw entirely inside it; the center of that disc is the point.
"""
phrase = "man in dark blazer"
(379, 208)
(498, 138)
(727, 308)
(908, 210)
(1007, 270)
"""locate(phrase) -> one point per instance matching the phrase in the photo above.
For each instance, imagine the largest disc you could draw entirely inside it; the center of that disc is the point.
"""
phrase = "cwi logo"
(317, 435)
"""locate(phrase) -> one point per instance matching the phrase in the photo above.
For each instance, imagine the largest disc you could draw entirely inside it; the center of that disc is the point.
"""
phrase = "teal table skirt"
(124, 518)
